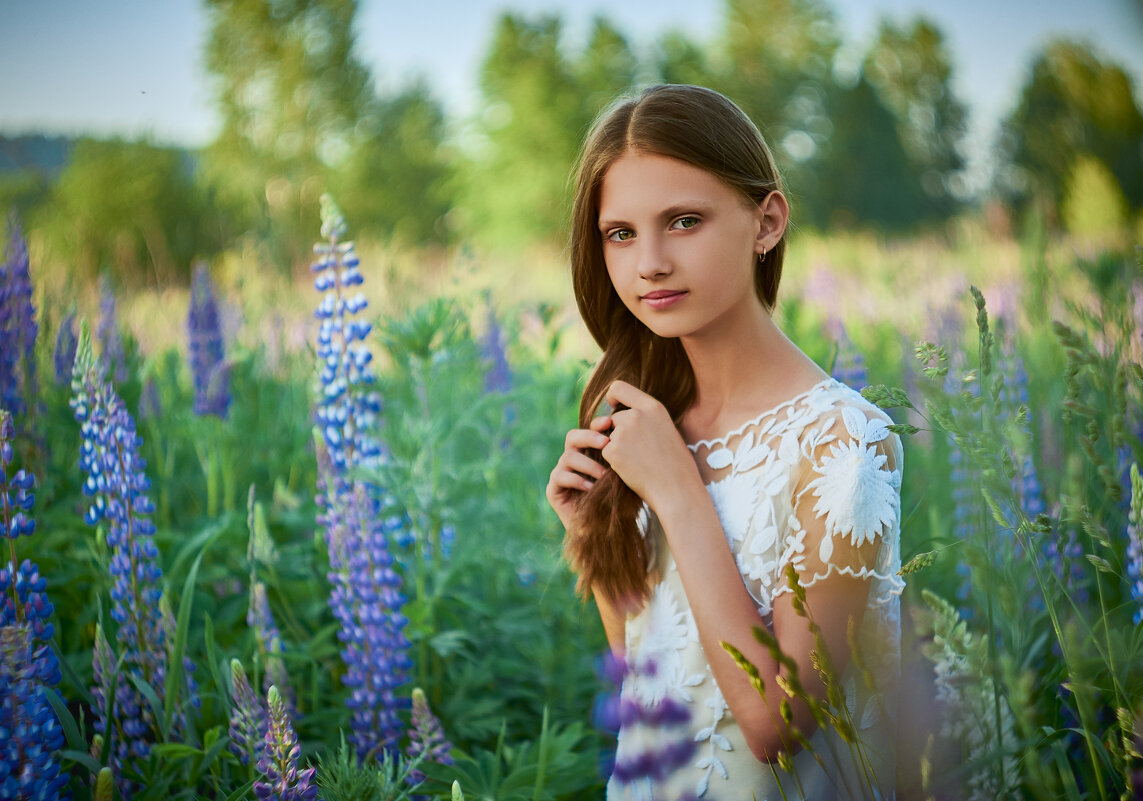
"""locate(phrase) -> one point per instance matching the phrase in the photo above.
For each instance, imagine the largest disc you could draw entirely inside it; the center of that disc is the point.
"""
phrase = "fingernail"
(589, 483)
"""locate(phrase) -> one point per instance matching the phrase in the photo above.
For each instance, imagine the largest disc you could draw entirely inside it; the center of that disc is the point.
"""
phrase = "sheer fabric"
(814, 483)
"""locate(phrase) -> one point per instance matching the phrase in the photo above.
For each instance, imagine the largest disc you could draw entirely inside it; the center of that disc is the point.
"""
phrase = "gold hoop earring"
(762, 256)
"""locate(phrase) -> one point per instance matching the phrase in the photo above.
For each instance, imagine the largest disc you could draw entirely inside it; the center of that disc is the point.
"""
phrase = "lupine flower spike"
(365, 594)
(664, 721)
(207, 357)
(64, 356)
(279, 762)
(1135, 546)
(498, 373)
(427, 737)
(30, 733)
(110, 341)
(117, 485)
(849, 367)
(261, 619)
(18, 330)
(249, 718)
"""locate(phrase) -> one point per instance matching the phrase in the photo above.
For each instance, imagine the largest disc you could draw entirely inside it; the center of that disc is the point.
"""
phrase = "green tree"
(397, 180)
(132, 207)
(868, 178)
(776, 61)
(679, 59)
(1093, 204)
(1073, 104)
(538, 104)
(911, 69)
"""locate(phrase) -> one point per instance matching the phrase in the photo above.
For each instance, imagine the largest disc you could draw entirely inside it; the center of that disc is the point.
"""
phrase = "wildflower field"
(273, 553)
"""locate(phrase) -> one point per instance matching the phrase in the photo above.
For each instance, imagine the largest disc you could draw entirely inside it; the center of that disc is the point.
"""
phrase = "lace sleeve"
(846, 503)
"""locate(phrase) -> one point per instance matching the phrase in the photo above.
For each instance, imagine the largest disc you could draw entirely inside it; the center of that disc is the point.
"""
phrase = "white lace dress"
(814, 483)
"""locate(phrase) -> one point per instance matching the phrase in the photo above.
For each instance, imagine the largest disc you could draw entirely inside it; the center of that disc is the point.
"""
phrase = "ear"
(772, 215)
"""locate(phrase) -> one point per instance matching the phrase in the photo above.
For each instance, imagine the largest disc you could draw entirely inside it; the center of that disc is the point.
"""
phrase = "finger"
(582, 463)
(620, 392)
(582, 438)
(566, 479)
(601, 423)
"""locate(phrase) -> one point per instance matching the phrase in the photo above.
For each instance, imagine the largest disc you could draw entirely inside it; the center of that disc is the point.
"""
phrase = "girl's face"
(680, 245)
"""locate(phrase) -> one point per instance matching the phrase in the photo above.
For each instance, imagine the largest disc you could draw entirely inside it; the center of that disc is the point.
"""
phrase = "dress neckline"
(722, 440)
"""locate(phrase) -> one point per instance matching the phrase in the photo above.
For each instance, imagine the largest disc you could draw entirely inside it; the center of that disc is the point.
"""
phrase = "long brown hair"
(703, 128)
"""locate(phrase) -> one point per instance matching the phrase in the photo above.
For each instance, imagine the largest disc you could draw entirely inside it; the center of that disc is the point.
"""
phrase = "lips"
(664, 298)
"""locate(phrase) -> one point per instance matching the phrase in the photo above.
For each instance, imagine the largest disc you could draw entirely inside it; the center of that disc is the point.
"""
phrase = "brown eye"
(620, 235)
(685, 223)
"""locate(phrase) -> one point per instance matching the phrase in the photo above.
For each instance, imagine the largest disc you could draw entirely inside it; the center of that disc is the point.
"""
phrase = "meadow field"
(255, 550)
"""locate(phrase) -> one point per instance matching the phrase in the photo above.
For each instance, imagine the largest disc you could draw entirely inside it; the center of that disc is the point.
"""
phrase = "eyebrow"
(675, 210)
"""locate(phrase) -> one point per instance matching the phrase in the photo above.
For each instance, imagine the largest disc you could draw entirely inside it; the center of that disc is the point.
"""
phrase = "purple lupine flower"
(64, 355)
(279, 761)
(260, 618)
(30, 732)
(1013, 397)
(498, 373)
(665, 721)
(150, 402)
(18, 329)
(110, 340)
(426, 737)
(365, 594)
(1135, 546)
(209, 369)
(249, 718)
(117, 485)
(849, 366)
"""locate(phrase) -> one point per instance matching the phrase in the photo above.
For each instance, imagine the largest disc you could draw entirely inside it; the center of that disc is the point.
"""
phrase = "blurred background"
(919, 140)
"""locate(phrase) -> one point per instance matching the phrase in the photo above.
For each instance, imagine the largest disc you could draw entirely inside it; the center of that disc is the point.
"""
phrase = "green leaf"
(67, 722)
(175, 669)
(175, 750)
(82, 758)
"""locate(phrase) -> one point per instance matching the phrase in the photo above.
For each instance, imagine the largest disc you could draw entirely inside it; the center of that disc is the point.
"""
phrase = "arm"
(647, 452)
(574, 474)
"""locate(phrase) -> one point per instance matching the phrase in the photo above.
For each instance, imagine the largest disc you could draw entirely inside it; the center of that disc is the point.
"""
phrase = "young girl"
(723, 457)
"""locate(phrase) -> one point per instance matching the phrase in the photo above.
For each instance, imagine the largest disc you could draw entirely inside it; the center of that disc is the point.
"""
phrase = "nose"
(654, 262)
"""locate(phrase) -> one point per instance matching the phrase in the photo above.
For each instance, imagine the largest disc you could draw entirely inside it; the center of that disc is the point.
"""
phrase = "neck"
(746, 362)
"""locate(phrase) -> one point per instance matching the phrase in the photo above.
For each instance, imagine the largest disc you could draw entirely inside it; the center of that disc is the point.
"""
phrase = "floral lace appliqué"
(855, 493)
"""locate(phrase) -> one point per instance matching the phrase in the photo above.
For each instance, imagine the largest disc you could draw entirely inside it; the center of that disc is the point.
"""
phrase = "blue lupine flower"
(30, 732)
(1135, 545)
(1013, 398)
(117, 485)
(365, 594)
(18, 329)
(110, 341)
(260, 618)
(498, 373)
(64, 356)
(849, 366)
(249, 718)
(207, 357)
(426, 736)
(279, 762)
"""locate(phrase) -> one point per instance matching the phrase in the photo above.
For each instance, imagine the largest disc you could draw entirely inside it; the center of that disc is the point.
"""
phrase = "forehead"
(646, 182)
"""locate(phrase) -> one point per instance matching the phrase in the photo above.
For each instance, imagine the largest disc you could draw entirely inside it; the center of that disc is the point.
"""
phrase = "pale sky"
(135, 67)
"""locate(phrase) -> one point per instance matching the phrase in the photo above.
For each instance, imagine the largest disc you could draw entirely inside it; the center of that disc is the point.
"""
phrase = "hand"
(644, 447)
(575, 472)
